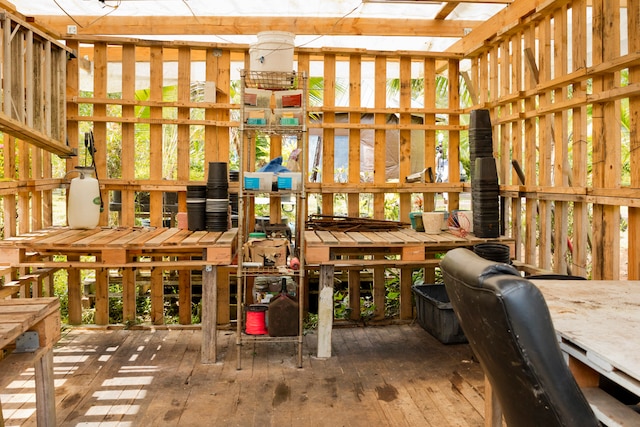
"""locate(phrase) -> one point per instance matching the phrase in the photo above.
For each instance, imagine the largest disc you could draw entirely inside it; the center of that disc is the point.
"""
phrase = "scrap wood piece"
(345, 223)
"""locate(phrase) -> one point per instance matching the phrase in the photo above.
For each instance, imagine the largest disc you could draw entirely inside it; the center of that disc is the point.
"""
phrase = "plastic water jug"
(84, 202)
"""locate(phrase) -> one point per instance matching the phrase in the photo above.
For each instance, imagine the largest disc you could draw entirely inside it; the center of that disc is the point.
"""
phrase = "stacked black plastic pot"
(196, 199)
(234, 176)
(485, 191)
(217, 203)
(493, 251)
(480, 137)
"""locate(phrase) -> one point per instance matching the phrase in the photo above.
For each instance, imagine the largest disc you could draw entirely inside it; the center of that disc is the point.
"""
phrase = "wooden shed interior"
(151, 96)
(558, 77)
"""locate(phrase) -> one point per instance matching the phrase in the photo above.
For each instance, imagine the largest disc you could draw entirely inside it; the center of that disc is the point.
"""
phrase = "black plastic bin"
(436, 315)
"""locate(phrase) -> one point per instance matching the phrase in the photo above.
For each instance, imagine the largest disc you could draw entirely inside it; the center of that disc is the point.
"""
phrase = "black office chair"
(509, 328)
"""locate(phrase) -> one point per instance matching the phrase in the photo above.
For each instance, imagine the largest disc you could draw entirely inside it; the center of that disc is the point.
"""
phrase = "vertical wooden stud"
(380, 135)
(328, 133)
(355, 94)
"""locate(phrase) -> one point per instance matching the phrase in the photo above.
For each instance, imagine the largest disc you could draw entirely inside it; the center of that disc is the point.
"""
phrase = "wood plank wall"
(555, 97)
(219, 133)
(554, 93)
(33, 105)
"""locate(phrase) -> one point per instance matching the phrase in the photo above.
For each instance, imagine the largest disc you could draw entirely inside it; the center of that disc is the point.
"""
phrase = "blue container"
(251, 183)
(285, 183)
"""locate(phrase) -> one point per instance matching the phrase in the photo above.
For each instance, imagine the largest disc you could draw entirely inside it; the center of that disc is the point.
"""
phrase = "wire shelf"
(272, 80)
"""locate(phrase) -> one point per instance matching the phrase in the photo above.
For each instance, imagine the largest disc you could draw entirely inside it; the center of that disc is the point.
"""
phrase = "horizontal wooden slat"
(609, 410)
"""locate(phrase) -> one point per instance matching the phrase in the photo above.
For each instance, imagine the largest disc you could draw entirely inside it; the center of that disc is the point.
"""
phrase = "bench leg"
(325, 311)
(129, 295)
(157, 296)
(354, 294)
(406, 303)
(492, 410)
(209, 319)
(75, 293)
(45, 391)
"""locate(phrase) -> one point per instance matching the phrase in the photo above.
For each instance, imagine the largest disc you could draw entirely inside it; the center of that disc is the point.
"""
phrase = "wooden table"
(41, 315)
(358, 250)
(596, 322)
(128, 249)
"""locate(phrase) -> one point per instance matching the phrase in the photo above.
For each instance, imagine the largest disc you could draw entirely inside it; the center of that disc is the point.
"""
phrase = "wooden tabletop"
(401, 237)
(66, 239)
(22, 314)
(115, 244)
(597, 321)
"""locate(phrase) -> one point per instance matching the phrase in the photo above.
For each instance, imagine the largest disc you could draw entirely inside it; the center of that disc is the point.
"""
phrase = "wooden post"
(379, 292)
(325, 310)
(223, 294)
(355, 76)
(45, 391)
(128, 295)
(406, 303)
(74, 292)
(157, 297)
(492, 410)
(354, 294)
(184, 295)
(209, 322)
(102, 296)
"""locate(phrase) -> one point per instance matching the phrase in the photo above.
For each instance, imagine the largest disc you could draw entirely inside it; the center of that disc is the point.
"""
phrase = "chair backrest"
(508, 325)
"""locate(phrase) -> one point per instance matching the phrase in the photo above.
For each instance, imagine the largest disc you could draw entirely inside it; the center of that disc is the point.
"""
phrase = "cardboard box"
(269, 252)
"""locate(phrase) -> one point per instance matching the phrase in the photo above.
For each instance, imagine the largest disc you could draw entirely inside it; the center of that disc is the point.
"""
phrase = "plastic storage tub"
(258, 181)
(436, 315)
(290, 181)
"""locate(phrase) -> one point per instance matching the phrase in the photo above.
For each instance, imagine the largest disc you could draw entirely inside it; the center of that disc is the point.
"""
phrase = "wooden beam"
(243, 25)
(500, 22)
(446, 9)
(40, 140)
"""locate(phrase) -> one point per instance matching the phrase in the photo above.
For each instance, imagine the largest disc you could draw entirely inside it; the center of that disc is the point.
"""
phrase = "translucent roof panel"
(384, 36)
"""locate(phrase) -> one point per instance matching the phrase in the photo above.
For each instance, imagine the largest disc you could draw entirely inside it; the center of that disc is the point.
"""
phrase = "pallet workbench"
(128, 249)
(41, 316)
(328, 251)
(123, 248)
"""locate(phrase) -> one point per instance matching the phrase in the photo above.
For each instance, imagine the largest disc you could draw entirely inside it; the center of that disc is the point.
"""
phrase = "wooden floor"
(396, 375)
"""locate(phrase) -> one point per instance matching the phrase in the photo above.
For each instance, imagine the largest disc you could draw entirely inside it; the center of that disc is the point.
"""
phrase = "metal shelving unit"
(271, 81)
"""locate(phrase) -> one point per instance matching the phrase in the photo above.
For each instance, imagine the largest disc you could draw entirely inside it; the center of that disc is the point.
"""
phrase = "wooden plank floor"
(396, 375)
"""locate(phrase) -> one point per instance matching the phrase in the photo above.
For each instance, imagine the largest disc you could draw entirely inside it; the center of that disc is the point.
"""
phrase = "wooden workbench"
(405, 249)
(129, 249)
(125, 249)
(41, 315)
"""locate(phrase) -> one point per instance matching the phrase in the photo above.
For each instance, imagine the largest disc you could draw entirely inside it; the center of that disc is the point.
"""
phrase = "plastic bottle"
(84, 202)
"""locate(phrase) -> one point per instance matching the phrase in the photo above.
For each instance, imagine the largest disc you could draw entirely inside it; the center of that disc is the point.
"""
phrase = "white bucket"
(432, 222)
(272, 52)
(83, 205)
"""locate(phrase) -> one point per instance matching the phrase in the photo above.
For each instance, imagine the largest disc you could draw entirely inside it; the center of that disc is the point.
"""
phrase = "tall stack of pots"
(217, 204)
(485, 191)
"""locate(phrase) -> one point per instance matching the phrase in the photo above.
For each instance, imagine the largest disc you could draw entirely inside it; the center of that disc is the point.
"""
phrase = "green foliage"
(310, 322)
(341, 308)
